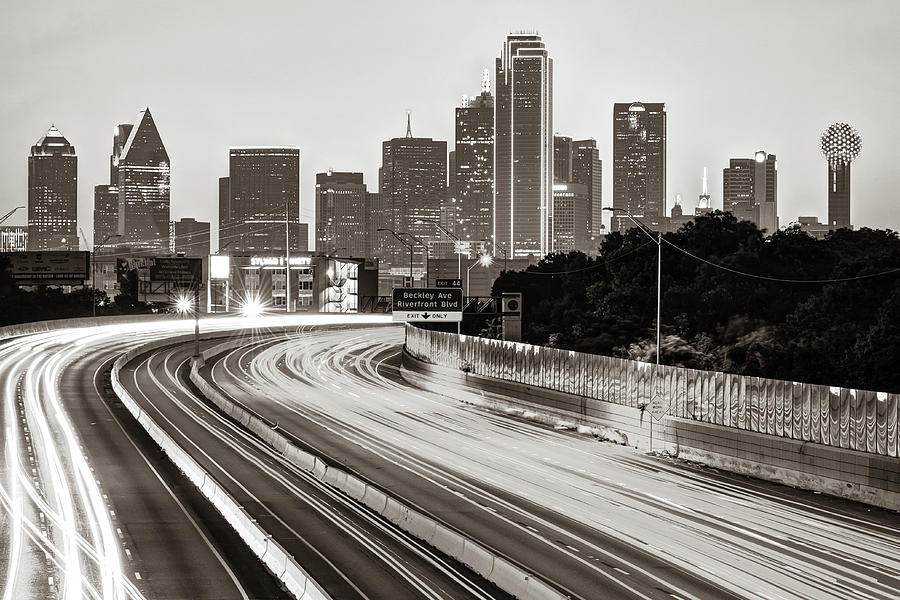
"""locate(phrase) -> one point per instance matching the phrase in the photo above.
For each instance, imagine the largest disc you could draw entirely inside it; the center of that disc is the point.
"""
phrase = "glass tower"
(473, 171)
(639, 162)
(53, 194)
(262, 188)
(143, 186)
(523, 151)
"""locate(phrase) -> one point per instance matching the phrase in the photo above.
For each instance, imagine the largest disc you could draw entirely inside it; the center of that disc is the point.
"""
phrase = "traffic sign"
(658, 407)
(428, 304)
(448, 283)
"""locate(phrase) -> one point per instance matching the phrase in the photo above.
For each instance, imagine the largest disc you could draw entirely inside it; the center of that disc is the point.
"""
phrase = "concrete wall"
(851, 474)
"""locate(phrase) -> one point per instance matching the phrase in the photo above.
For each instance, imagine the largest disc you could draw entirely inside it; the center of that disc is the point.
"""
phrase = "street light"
(408, 245)
(424, 252)
(94, 271)
(658, 240)
(10, 213)
(485, 260)
(503, 250)
(453, 237)
(183, 306)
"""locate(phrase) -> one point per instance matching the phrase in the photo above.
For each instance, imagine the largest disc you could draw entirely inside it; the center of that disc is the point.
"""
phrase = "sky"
(336, 79)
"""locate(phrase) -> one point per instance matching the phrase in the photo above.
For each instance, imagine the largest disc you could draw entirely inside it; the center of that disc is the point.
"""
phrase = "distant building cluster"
(507, 186)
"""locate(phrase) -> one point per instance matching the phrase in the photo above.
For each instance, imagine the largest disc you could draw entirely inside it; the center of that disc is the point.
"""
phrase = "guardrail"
(292, 575)
(861, 420)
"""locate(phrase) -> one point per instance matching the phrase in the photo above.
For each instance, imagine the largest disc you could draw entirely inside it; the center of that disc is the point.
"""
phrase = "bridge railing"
(854, 419)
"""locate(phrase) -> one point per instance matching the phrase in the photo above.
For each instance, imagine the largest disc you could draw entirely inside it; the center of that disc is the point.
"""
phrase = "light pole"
(454, 238)
(658, 241)
(10, 213)
(424, 252)
(503, 250)
(183, 306)
(287, 258)
(484, 260)
(94, 272)
(408, 245)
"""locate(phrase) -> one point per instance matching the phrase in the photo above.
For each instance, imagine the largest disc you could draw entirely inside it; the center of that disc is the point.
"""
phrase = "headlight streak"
(244, 444)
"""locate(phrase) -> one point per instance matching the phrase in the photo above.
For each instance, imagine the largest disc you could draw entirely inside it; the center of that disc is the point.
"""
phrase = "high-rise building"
(472, 172)
(341, 215)
(840, 146)
(562, 159)
(106, 197)
(413, 189)
(570, 217)
(639, 162)
(143, 186)
(53, 194)
(750, 190)
(677, 218)
(260, 195)
(523, 152)
(13, 238)
(587, 169)
(190, 237)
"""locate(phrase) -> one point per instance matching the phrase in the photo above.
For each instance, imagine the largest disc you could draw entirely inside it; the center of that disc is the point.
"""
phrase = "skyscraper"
(523, 153)
(413, 187)
(106, 197)
(143, 186)
(190, 237)
(587, 169)
(472, 180)
(53, 194)
(570, 217)
(750, 190)
(840, 146)
(341, 215)
(562, 159)
(639, 162)
(262, 187)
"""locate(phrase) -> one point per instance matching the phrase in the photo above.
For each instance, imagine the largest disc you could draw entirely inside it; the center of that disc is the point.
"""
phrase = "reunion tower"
(840, 145)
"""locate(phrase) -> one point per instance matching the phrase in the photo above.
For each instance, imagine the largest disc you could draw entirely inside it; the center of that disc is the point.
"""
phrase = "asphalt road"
(350, 551)
(594, 519)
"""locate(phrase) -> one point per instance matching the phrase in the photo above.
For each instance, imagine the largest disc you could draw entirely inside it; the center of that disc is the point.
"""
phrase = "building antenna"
(705, 184)
(408, 126)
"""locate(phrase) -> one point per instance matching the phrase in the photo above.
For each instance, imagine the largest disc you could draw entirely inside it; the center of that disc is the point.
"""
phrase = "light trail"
(757, 543)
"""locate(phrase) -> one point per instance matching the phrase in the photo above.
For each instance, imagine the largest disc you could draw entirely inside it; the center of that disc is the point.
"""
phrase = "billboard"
(186, 271)
(49, 268)
(428, 304)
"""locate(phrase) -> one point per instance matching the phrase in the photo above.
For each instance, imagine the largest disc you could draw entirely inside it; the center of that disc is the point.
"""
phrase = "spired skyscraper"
(53, 194)
(639, 163)
(472, 171)
(413, 184)
(523, 151)
(143, 186)
(261, 191)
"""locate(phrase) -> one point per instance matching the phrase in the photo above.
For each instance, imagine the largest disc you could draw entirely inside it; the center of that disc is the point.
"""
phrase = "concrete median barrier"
(292, 575)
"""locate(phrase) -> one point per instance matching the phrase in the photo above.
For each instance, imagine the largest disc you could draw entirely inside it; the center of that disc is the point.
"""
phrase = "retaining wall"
(862, 476)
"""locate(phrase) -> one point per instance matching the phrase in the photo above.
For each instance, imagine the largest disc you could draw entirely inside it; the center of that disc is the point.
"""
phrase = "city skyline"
(796, 99)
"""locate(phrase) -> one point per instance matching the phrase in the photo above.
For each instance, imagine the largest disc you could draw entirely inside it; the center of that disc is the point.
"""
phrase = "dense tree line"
(843, 333)
(40, 303)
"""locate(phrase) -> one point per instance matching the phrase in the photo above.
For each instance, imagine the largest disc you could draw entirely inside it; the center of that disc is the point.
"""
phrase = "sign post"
(437, 305)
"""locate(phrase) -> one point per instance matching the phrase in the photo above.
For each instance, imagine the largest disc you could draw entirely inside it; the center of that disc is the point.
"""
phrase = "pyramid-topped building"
(53, 193)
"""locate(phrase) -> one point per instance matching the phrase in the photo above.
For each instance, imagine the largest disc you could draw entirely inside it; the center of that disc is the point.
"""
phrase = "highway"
(595, 519)
(89, 508)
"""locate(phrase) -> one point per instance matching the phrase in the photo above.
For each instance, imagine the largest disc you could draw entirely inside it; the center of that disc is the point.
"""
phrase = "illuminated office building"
(523, 152)
(143, 187)
(639, 163)
(261, 194)
(750, 190)
(342, 215)
(53, 194)
(472, 180)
